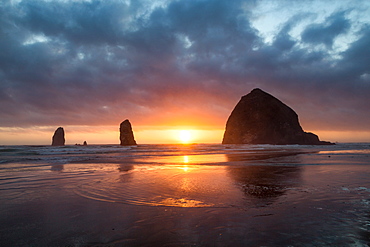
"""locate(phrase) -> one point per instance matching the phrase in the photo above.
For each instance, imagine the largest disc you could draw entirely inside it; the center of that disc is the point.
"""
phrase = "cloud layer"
(178, 62)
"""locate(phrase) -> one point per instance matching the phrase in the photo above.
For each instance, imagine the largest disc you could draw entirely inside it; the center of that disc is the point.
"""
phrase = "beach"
(185, 195)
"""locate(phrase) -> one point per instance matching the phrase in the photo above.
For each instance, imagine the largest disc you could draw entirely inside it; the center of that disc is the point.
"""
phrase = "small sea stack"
(260, 118)
(126, 134)
(58, 137)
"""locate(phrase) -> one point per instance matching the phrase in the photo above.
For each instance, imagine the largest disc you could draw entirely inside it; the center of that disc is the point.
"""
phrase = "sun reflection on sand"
(187, 159)
(182, 178)
(174, 185)
(185, 168)
(183, 202)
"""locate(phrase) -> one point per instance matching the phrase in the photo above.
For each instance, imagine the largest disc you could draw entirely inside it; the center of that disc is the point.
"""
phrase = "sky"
(174, 65)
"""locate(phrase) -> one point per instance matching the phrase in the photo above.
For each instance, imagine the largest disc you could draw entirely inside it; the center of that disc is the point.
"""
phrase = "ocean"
(185, 195)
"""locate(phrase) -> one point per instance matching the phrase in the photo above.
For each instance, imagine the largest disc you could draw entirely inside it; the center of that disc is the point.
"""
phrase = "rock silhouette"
(126, 134)
(58, 137)
(260, 118)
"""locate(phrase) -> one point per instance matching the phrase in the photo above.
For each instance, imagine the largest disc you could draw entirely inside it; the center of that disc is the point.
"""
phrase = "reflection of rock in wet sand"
(57, 168)
(264, 181)
(267, 155)
(125, 167)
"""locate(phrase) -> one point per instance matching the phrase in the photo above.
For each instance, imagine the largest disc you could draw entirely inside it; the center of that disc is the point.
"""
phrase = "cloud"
(98, 62)
(325, 33)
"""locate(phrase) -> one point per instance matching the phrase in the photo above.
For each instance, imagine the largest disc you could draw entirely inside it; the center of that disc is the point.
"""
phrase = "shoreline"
(207, 196)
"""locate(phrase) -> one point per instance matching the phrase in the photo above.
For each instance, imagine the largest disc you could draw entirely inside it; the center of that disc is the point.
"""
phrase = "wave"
(150, 153)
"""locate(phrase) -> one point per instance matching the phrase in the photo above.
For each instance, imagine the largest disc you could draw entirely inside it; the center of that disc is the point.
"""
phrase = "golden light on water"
(186, 161)
(185, 168)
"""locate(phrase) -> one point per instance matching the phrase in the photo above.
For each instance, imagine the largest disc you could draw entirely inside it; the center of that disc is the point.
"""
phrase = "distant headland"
(260, 118)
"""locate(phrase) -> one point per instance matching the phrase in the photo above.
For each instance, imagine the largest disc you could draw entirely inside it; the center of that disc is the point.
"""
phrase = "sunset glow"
(184, 122)
(71, 76)
(184, 136)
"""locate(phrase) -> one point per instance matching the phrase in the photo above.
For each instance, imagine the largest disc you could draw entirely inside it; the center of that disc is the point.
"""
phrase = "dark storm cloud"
(356, 58)
(99, 61)
(325, 33)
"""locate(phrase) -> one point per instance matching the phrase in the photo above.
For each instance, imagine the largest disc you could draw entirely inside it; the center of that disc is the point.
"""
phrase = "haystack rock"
(58, 137)
(126, 135)
(260, 118)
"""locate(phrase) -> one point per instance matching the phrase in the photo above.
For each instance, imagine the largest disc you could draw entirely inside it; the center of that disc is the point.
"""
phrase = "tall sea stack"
(126, 134)
(58, 137)
(260, 118)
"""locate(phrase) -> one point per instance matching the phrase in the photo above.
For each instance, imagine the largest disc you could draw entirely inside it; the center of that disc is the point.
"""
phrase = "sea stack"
(260, 118)
(58, 137)
(126, 134)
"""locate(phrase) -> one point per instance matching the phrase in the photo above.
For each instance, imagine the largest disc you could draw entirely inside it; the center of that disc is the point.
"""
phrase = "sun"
(184, 136)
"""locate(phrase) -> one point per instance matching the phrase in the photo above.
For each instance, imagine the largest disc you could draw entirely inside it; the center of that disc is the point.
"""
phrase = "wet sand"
(300, 199)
